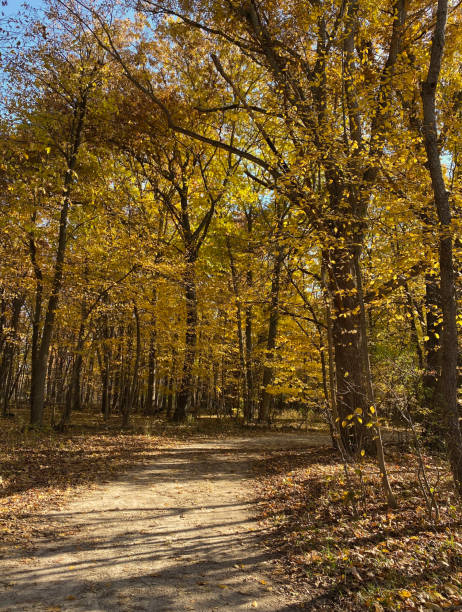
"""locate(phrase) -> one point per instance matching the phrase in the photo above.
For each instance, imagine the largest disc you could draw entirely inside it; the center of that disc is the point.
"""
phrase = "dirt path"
(175, 535)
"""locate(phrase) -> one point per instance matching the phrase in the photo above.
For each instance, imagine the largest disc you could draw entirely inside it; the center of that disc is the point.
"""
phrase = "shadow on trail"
(65, 461)
(138, 547)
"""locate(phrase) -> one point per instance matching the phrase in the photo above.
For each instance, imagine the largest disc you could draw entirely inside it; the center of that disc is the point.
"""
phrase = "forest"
(240, 218)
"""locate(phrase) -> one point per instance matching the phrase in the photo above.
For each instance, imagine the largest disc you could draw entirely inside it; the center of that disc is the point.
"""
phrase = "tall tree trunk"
(42, 351)
(240, 338)
(170, 392)
(248, 412)
(265, 401)
(132, 383)
(447, 395)
(2, 317)
(184, 391)
(150, 406)
(9, 350)
(50, 377)
(249, 399)
(39, 368)
(171, 386)
(351, 393)
(105, 384)
(73, 394)
(350, 191)
(104, 362)
(88, 395)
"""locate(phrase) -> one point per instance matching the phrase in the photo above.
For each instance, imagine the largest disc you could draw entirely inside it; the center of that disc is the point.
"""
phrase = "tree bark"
(73, 393)
(42, 348)
(240, 338)
(183, 393)
(9, 350)
(131, 386)
(351, 393)
(151, 402)
(265, 401)
(447, 395)
(249, 399)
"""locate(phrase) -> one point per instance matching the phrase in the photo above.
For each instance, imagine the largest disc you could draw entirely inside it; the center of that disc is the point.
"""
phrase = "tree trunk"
(183, 394)
(131, 386)
(88, 396)
(447, 393)
(248, 408)
(39, 369)
(249, 399)
(240, 338)
(351, 393)
(9, 350)
(73, 394)
(265, 401)
(150, 403)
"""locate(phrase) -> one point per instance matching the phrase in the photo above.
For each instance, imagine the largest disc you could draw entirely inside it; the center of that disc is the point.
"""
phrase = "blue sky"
(14, 6)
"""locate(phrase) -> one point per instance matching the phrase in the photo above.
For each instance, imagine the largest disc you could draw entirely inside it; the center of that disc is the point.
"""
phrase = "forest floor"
(176, 532)
(213, 519)
(375, 559)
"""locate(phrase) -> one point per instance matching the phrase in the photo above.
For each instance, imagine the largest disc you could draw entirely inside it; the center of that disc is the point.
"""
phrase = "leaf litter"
(384, 560)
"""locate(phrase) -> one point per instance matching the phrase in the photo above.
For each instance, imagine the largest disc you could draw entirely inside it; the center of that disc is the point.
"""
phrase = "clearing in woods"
(179, 534)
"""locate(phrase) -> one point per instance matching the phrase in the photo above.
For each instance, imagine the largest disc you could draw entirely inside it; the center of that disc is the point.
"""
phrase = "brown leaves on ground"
(382, 561)
(39, 472)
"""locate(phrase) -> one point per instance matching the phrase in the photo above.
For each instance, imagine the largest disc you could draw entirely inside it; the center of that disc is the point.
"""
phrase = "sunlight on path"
(175, 535)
